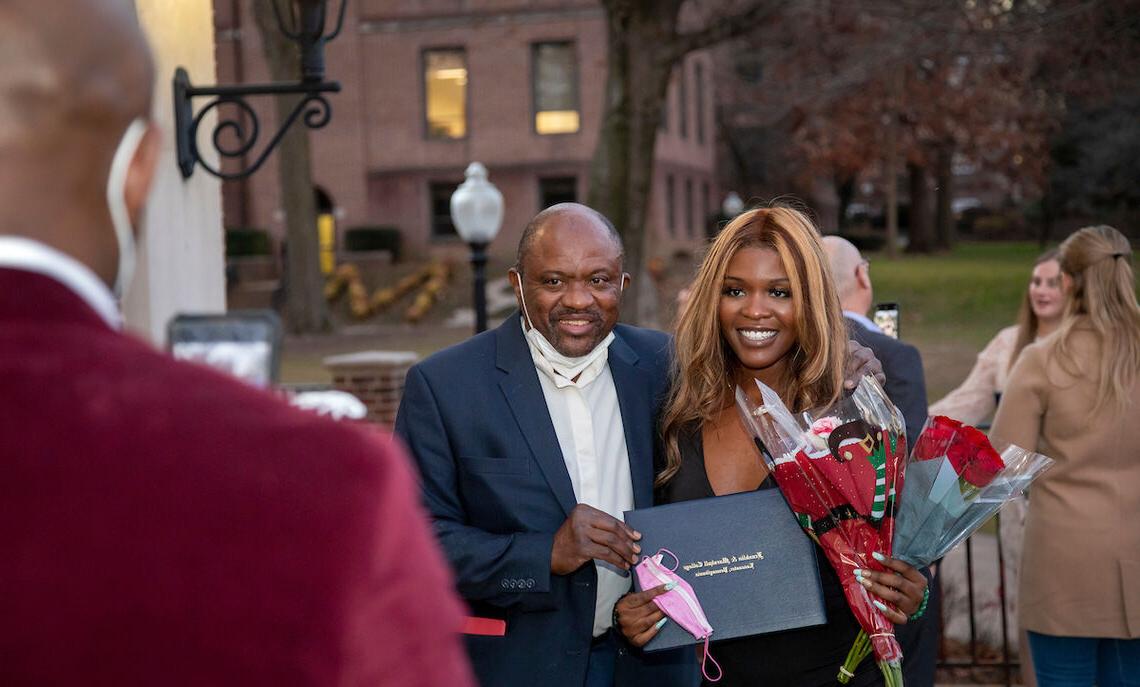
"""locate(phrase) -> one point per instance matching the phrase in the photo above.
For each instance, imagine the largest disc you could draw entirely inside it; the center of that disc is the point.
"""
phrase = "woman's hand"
(903, 587)
(638, 617)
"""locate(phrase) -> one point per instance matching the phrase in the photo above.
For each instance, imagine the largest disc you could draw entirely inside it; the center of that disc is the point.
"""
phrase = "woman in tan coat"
(1075, 396)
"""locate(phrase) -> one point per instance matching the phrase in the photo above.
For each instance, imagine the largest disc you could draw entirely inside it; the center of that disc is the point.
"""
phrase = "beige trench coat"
(1080, 571)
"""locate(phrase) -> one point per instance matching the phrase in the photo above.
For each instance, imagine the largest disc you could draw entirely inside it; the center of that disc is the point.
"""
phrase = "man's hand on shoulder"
(861, 361)
(588, 534)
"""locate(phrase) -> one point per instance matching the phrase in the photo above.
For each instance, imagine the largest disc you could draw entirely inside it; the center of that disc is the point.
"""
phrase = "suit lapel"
(524, 395)
(636, 418)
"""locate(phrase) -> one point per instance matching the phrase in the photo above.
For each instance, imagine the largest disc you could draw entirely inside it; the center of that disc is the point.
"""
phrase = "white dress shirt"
(587, 421)
(863, 321)
(19, 253)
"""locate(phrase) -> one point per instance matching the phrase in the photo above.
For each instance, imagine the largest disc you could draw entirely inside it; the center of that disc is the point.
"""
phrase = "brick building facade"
(430, 86)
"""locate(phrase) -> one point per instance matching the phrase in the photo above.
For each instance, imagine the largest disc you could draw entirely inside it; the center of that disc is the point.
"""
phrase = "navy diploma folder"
(751, 566)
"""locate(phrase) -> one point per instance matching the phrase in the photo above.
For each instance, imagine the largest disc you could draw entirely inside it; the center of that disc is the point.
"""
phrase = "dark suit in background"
(906, 383)
(476, 420)
(906, 387)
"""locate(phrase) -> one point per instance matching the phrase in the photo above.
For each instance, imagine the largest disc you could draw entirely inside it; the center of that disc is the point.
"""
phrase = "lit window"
(445, 93)
(555, 88)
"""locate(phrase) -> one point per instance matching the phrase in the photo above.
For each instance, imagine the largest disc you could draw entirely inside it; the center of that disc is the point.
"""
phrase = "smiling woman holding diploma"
(763, 306)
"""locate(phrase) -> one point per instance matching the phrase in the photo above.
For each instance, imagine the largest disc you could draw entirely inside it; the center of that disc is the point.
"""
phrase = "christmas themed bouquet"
(840, 469)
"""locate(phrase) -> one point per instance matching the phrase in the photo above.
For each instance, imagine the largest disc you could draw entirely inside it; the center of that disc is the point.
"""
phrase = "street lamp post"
(477, 213)
(732, 205)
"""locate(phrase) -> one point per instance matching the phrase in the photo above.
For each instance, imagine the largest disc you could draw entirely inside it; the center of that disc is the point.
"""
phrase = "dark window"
(555, 74)
(750, 67)
(706, 210)
(670, 211)
(699, 85)
(664, 125)
(440, 191)
(557, 190)
(683, 102)
(689, 224)
(445, 93)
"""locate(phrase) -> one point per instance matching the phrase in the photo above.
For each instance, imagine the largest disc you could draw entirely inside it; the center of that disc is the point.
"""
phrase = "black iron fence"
(984, 662)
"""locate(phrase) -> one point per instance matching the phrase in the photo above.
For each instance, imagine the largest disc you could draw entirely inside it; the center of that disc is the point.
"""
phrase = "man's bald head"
(67, 65)
(73, 75)
(589, 215)
(852, 278)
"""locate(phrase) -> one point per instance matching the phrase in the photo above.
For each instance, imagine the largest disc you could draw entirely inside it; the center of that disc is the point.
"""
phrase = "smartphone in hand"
(886, 318)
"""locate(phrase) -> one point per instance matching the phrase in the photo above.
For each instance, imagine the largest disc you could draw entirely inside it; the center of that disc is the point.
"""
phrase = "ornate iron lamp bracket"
(244, 126)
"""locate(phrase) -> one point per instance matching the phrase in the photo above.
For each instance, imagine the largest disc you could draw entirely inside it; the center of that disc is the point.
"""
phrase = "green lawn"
(967, 295)
(953, 304)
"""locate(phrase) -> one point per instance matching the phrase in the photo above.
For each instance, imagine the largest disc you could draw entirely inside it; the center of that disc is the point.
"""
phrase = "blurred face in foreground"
(757, 313)
(1045, 294)
(571, 281)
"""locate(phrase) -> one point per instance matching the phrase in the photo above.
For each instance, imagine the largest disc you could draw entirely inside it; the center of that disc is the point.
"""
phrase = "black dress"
(807, 657)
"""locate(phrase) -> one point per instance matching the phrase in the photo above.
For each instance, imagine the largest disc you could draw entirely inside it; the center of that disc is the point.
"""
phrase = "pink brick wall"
(374, 159)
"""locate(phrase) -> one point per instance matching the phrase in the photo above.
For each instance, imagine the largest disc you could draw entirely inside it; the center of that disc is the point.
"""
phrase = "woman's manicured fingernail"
(858, 572)
(660, 623)
(880, 605)
(669, 586)
(879, 557)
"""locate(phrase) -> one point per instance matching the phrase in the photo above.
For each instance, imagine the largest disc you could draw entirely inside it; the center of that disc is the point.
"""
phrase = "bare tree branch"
(724, 28)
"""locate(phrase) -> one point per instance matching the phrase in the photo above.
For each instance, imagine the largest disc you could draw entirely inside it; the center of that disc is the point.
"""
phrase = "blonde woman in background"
(1075, 397)
(975, 400)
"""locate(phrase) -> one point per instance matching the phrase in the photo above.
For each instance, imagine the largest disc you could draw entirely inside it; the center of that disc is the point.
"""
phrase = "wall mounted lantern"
(305, 27)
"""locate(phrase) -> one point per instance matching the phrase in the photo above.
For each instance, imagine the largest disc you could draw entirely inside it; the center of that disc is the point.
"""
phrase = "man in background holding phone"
(906, 387)
(906, 384)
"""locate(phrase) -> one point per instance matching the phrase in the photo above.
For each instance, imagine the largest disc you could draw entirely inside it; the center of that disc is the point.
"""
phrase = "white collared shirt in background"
(863, 321)
(19, 253)
(587, 421)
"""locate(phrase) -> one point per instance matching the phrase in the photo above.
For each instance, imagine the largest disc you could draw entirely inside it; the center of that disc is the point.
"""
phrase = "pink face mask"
(679, 603)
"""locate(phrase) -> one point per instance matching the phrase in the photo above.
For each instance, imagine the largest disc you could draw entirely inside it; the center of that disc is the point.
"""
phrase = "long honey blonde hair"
(705, 368)
(1102, 297)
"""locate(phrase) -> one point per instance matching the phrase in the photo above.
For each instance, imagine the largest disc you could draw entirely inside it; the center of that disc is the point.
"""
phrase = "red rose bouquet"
(840, 469)
(956, 480)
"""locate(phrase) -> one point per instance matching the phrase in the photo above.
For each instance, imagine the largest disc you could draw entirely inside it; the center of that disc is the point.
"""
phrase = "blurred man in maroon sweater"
(161, 524)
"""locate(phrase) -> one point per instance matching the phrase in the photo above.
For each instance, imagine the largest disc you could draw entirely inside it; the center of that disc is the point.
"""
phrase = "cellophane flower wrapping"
(840, 469)
(956, 480)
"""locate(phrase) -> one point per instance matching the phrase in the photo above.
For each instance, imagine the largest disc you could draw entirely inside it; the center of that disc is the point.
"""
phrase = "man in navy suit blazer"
(509, 463)
(906, 387)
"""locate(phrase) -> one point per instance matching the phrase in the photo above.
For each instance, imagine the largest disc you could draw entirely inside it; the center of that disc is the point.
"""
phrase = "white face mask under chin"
(566, 366)
(117, 203)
